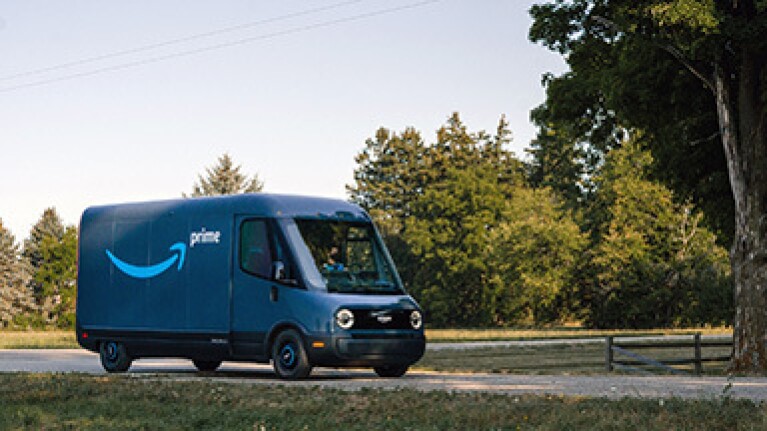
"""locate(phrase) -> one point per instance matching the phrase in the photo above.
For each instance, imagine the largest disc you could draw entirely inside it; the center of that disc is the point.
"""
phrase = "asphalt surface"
(610, 386)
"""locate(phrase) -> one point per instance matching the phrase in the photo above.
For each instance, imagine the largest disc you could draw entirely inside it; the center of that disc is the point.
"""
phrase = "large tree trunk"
(746, 152)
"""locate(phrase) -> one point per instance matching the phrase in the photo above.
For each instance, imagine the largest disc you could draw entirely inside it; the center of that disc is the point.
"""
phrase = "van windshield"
(349, 256)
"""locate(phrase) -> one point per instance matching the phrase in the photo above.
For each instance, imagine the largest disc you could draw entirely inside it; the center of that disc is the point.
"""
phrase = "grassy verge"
(561, 359)
(66, 339)
(38, 340)
(454, 335)
(45, 401)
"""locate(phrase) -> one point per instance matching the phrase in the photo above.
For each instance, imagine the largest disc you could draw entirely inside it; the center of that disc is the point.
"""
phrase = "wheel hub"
(288, 356)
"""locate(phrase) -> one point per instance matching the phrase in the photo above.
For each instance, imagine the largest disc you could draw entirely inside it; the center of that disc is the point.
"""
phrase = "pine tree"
(15, 295)
(48, 228)
(50, 253)
(435, 205)
(225, 179)
(49, 225)
(57, 277)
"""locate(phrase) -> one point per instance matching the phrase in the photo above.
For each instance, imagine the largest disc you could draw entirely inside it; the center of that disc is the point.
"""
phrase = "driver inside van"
(332, 262)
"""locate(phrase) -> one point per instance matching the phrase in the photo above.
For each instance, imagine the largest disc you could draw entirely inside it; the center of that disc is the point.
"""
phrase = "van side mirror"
(278, 271)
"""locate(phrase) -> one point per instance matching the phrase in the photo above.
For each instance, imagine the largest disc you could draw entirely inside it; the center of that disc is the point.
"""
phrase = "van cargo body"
(298, 281)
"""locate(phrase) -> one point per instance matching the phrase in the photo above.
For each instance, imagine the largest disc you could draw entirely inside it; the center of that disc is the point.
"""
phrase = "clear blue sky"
(292, 99)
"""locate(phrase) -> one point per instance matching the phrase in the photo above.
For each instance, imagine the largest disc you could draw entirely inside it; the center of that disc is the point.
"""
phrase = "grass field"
(38, 340)
(452, 335)
(561, 359)
(51, 402)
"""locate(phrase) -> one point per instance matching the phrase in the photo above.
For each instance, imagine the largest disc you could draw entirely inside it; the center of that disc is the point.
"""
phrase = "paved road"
(613, 386)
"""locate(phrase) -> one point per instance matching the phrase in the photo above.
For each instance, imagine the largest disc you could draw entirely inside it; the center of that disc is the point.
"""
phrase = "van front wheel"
(289, 356)
(114, 357)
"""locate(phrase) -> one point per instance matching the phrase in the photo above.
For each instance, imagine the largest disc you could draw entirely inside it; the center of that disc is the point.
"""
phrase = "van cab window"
(255, 250)
(349, 256)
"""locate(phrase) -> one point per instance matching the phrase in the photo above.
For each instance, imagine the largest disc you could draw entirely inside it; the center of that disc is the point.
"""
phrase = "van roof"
(261, 204)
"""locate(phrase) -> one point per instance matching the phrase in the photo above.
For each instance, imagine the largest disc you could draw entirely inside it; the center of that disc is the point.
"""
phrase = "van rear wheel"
(391, 370)
(206, 365)
(289, 356)
(114, 357)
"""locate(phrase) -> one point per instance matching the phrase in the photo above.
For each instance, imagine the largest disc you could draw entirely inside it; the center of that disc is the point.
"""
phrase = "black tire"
(289, 356)
(206, 365)
(114, 357)
(391, 370)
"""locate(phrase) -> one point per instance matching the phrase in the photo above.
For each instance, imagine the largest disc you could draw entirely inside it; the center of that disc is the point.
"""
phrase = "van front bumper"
(368, 349)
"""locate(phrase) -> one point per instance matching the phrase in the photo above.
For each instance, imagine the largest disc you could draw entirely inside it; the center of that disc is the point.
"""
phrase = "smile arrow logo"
(153, 270)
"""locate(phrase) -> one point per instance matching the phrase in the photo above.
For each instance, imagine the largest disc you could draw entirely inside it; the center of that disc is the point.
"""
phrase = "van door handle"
(274, 295)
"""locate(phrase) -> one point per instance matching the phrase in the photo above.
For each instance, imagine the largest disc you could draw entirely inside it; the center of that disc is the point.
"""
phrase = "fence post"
(609, 354)
(698, 362)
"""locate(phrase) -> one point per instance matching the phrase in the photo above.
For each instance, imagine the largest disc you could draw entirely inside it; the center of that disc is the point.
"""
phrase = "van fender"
(281, 326)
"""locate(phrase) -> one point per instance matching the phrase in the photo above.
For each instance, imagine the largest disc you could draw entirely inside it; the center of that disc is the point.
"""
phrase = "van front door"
(256, 305)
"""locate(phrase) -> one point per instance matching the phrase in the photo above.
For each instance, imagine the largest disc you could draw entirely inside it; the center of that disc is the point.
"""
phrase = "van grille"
(382, 319)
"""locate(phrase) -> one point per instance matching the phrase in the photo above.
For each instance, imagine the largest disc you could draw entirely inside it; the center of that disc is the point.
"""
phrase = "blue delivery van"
(298, 281)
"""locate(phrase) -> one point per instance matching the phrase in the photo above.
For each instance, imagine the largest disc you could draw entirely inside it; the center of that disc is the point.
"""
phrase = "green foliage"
(449, 233)
(694, 14)
(15, 294)
(49, 225)
(57, 276)
(652, 263)
(623, 77)
(534, 254)
(51, 253)
(444, 210)
(478, 247)
(558, 164)
(225, 179)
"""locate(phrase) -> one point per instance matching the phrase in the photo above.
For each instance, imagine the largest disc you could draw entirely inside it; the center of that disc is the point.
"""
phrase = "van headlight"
(416, 320)
(344, 318)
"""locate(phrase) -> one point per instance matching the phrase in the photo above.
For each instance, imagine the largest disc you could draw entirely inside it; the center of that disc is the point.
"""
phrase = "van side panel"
(209, 267)
(142, 273)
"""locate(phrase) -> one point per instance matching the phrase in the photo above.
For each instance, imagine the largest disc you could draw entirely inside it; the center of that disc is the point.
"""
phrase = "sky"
(108, 101)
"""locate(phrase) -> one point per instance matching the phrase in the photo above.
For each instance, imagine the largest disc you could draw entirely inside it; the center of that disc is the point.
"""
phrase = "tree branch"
(674, 51)
(710, 138)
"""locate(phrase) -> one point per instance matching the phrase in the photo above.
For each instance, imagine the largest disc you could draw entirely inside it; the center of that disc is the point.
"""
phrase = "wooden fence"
(623, 355)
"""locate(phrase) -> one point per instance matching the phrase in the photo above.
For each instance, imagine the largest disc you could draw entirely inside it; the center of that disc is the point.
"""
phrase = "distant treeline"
(37, 279)
(480, 241)
(478, 238)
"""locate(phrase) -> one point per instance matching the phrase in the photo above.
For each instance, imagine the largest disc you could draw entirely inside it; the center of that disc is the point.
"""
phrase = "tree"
(225, 179)
(651, 263)
(48, 228)
(436, 205)
(49, 225)
(391, 173)
(691, 74)
(448, 233)
(534, 255)
(57, 277)
(51, 253)
(15, 294)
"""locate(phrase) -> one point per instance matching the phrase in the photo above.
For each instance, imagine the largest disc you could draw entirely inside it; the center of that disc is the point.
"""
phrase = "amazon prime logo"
(150, 271)
(204, 237)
